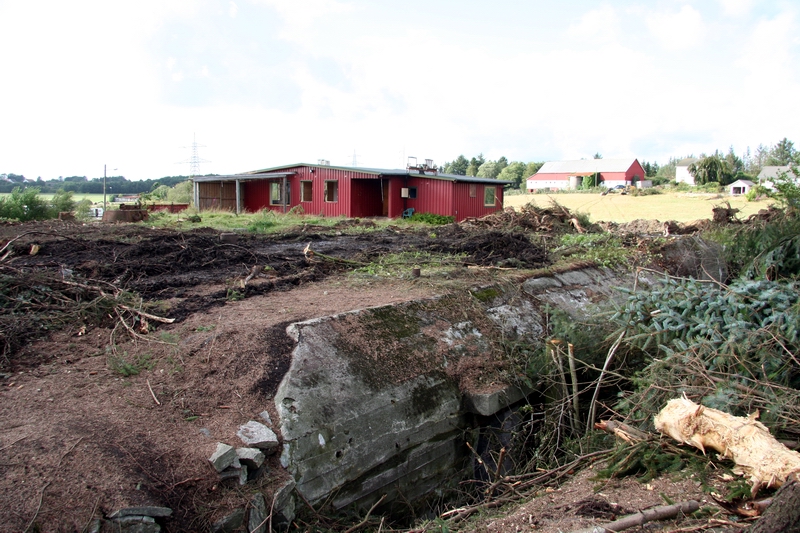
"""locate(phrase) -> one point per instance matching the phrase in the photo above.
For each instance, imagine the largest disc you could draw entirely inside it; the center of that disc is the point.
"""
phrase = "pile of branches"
(35, 303)
(732, 346)
(556, 218)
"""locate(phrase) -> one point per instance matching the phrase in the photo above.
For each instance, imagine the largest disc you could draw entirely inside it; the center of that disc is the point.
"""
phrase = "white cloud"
(736, 8)
(599, 25)
(300, 15)
(233, 9)
(677, 31)
(768, 52)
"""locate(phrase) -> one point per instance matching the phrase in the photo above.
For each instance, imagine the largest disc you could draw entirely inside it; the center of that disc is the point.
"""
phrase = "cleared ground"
(614, 207)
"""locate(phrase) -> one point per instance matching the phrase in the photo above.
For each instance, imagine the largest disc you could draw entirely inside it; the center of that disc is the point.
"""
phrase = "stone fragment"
(229, 523)
(142, 511)
(257, 435)
(257, 519)
(243, 475)
(265, 416)
(223, 457)
(252, 457)
(135, 524)
(283, 512)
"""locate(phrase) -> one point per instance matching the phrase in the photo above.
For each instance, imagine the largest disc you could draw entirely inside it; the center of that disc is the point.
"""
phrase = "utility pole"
(104, 188)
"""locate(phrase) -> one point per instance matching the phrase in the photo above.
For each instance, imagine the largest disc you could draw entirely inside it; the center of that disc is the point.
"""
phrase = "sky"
(133, 85)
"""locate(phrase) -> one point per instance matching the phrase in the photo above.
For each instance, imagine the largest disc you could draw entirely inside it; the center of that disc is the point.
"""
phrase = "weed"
(234, 296)
(168, 337)
(121, 364)
(205, 328)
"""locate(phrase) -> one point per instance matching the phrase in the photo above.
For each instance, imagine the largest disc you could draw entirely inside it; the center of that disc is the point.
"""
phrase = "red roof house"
(351, 191)
(569, 174)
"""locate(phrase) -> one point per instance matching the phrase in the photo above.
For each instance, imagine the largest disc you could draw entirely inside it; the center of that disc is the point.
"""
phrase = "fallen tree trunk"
(662, 512)
(757, 454)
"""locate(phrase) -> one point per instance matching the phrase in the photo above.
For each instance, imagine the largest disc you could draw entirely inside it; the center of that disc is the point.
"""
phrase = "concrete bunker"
(383, 400)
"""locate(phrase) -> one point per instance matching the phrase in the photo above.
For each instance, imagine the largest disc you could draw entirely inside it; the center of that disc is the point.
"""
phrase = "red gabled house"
(556, 175)
(351, 191)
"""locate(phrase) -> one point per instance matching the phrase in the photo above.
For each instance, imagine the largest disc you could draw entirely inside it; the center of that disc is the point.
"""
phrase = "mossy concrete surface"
(381, 400)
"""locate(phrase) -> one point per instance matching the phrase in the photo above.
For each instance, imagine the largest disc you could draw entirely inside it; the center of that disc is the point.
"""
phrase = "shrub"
(430, 218)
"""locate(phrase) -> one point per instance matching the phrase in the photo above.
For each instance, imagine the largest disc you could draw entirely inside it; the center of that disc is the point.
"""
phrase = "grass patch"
(682, 207)
(400, 265)
(130, 365)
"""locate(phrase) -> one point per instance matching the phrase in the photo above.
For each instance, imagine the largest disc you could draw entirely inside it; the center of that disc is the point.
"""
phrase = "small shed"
(351, 191)
(740, 187)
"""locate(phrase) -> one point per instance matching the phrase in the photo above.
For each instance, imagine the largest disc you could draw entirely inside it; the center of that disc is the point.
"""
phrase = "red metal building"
(351, 191)
(570, 174)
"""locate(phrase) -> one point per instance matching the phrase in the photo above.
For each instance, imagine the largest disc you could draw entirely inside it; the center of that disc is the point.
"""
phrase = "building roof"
(742, 182)
(586, 166)
(283, 171)
(686, 161)
(773, 172)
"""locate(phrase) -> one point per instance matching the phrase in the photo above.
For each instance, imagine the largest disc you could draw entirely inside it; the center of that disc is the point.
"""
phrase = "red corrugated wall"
(363, 194)
(472, 206)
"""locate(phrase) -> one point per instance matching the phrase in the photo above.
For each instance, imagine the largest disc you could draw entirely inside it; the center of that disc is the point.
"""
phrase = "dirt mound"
(556, 218)
(496, 248)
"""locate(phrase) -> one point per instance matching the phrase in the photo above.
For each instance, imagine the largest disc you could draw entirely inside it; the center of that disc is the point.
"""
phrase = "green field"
(94, 198)
(682, 207)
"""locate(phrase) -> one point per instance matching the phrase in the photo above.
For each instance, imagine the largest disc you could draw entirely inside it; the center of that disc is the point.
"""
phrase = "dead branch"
(639, 519)
(366, 518)
(153, 394)
(609, 358)
(625, 432)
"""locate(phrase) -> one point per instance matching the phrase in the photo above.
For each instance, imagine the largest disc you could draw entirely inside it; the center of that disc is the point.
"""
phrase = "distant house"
(740, 187)
(682, 174)
(768, 174)
(351, 191)
(555, 175)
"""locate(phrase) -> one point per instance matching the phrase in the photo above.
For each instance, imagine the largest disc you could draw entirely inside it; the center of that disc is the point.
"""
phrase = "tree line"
(83, 185)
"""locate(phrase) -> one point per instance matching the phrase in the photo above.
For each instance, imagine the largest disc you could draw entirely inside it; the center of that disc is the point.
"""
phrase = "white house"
(682, 174)
(768, 175)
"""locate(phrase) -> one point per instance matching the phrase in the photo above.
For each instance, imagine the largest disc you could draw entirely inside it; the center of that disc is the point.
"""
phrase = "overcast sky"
(263, 83)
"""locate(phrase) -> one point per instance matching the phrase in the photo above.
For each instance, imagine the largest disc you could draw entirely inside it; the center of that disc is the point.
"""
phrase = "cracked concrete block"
(257, 435)
(223, 457)
(146, 510)
(252, 457)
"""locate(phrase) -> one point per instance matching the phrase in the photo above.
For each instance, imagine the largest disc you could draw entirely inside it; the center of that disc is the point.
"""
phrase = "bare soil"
(117, 410)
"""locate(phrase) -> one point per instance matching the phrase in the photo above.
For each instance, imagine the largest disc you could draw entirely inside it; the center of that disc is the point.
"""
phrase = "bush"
(434, 220)
(27, 204)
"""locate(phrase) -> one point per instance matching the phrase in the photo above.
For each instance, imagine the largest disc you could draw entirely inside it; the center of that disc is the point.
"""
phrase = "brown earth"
(119, 409)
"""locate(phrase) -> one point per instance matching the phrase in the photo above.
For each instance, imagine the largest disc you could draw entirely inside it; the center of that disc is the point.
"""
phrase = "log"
(662, 512)
(744, 440)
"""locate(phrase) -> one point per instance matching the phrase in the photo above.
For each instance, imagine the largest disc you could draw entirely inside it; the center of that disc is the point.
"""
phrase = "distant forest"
(82, 185)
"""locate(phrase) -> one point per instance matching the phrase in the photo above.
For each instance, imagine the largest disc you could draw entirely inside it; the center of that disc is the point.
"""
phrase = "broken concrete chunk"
(252, 457)
(255, 434)
(136, 524)
(223, 457)
(229, 523)
(142, 511)
(265, 416)
(256, 521)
